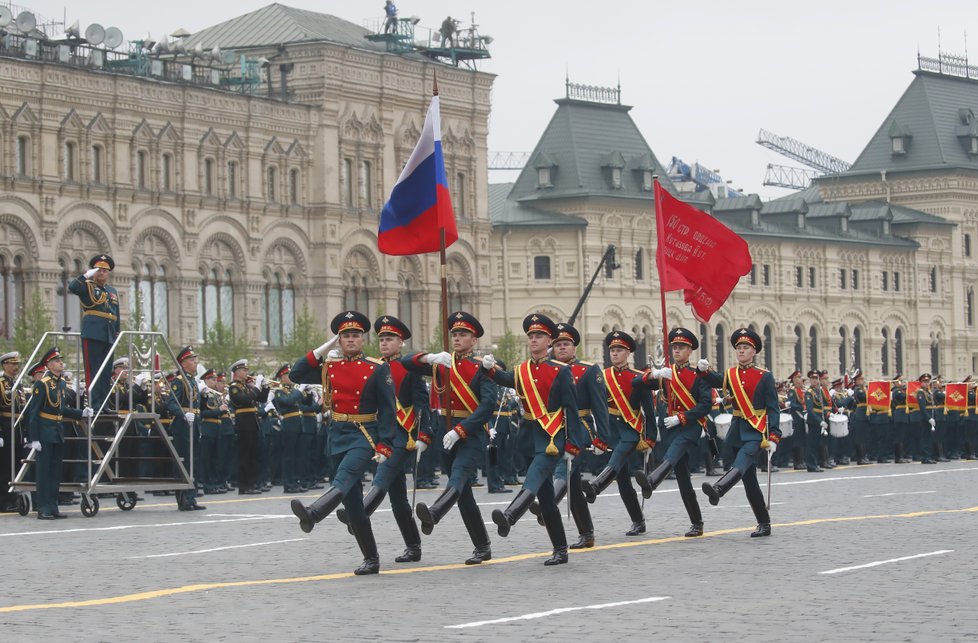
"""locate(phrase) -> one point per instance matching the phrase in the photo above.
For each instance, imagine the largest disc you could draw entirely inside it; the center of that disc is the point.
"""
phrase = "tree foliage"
(222, 347)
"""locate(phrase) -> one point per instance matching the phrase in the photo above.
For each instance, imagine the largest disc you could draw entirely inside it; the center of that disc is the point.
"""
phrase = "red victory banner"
(956, 397)
(878, 396)
(912, 388)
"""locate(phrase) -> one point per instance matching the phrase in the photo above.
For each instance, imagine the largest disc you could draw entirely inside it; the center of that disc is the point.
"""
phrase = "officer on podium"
(100, 323)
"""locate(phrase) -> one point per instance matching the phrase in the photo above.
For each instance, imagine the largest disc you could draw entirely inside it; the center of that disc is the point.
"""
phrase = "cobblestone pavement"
(243, 571)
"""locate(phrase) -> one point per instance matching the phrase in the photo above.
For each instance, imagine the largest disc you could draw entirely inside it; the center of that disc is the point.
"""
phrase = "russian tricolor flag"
(419, 205)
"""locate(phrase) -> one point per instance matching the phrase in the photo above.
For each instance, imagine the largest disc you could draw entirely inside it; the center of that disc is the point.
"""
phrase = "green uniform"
(44, 414)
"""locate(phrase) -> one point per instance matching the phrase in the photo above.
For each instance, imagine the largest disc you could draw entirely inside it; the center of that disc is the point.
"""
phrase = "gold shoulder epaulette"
(46, 379)
(582, 362)
(374, 360)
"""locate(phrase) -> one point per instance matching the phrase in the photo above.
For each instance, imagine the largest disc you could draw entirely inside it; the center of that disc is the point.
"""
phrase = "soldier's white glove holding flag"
(703, 365)
(319, 352)
(488, 362)
(661, 373)
(189, 417)
(379, 457)
(441, 359)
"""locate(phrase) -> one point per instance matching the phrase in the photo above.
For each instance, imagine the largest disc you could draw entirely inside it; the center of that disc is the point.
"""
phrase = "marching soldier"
(286, 401)
(44, 415)
(592, 403)
(755, 424)
(628, 431)
(547, 391)
(246, 398)
(10, 362)
(411, 404)
(472, 397)
(360, 392)
(184, 405)
(689, 399)
(100, 322)
(926, 423)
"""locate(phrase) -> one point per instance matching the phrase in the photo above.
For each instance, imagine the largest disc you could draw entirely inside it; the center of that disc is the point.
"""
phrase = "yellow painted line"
(204, 587)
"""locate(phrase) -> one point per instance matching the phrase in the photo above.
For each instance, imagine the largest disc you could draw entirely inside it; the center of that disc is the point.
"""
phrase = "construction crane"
(797, 178)
(508, 160)
(679, 171)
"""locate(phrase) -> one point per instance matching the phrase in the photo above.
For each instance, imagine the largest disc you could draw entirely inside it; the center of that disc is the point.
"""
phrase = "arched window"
(11, 293)
(639, 265)
(23, 159)
(208, 178)
(346, 182)
(969, 307)
(704, 341)
(857, 348)
(166, 172)
(799, 357)
(813, 346)
(935, 355)
(270, 178)
(458, 198)
(149, 296)
(898, 350)
(366, 185)
(769, 347)
(885, 352)
(70, 160)
(720, 344)
(98, 164)
(216, 301)
(232, 179)
(278, 304)
(933, 279)
(141, 169)
(67, 306)
(294, 186)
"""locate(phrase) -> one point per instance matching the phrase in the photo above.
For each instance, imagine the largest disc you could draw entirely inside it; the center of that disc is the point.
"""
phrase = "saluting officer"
(546, 389)
(100, 323)
(472, 400)
(629, 432)
(184, 405)
(689, 400)
(10, 362)
(592, 406)
(44, 415)
(360, 391)
(411, 404)
(755, 425)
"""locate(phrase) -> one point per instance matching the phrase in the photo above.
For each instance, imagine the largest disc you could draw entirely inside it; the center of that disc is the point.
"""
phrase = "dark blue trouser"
(747, 441)
(391, 477)
(94, 354)
(349, 466)
(289, 446)
(461, 464)
(48, 464)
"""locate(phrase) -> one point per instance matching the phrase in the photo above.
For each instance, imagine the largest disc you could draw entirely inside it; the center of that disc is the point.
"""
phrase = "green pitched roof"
(933, 111)
(277, 24)
(506, 212)
(582, 143)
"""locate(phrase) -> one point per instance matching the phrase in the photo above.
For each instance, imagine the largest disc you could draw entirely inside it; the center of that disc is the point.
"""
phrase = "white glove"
(90, 273)
(442, 359)
(318, 353)
(379, 457)
(823, 425)
(1, 443)
(271, 396)
(933, 424)
(488, 362)
(259, 380)
(140, 379)
(420, 447)
(319, 418)
(671, 421)
(568, 457)
(850, 392)
(269, 407)
(804, 416)
(88, 412)
(189, 417)
(492, 434)
(450, 439)
(597, 450)
(661, 373)
(772, 446)
(36, 445)
(703, 365)
(334, 354)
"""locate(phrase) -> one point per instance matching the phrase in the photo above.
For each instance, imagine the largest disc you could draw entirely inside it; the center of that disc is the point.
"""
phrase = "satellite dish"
(113, 37)
(5, 16)
(73, 30)
(26, 22)
(95, 34)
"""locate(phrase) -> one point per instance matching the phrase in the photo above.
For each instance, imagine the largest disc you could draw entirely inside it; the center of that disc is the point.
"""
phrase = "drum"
(722, 423)
(838, 425)
(786, 425)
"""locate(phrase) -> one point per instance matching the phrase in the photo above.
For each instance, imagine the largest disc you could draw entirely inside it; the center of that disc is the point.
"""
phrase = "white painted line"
(562, 610)
(897, 493)
(122, 527)
(744, 506)
(929, 472)
(208, 551)
(884, 562)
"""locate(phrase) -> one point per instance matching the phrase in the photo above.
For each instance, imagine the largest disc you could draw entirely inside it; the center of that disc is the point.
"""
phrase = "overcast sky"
(702, 77)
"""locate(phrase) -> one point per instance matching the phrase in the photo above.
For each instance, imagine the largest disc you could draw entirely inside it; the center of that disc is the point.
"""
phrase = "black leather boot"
(798, 457)
(368, 547)
(585, 527)
(763, 529)
(710, 465)
(638, 527)
(722, 486)
(371, 500)
(482, 551)
(649, 482)
(429, 516)
(695, 529)
(506, 519)
(600, 482)
(314, 513)
(559, 540)
(412, 539)
(560, 490)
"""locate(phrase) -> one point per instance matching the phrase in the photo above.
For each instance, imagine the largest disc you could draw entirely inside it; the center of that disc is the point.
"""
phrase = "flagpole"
(446, 395)
(658, 263)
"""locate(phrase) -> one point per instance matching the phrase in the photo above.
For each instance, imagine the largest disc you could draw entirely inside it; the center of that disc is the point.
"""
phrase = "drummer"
(843, 403)
(816, 419)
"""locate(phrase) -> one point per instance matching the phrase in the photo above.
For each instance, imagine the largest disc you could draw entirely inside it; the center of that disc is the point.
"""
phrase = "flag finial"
(434, 86)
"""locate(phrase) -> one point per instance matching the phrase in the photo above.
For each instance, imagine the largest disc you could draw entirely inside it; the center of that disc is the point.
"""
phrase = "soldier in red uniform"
(755, 425)
(472, 400)
(689, 400)
(546, 390)
(360, 392)
(627, 403)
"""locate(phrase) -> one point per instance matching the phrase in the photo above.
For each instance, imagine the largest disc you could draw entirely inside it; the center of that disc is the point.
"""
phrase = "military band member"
(859, 418)
(360, 392)
(816, 423)
(411, 404)
(551, 425)
(246, 398)
(310, 405)
(969, 423)
(100, 323)
(10, 363)
(798, 408)
(213, 408)
(286, 400)
(689, 400)
(926, 423)
(629, 431)
(184, 405)
(472, 400)
(44, 415)
(755, 425)
(592, 404)
(940, 437)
